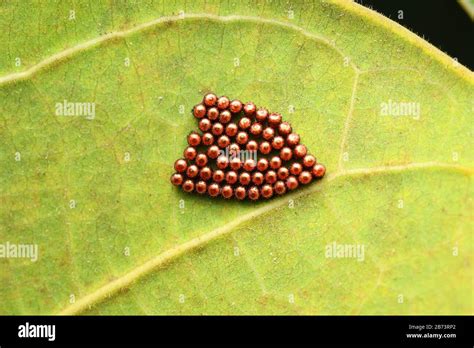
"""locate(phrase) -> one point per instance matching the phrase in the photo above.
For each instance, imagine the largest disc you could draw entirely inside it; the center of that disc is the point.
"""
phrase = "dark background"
(443, 23)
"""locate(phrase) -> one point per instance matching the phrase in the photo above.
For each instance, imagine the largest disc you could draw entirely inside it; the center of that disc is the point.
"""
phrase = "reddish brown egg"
(192, 171)
(261, 115)
(190, 153)
(201, 187)
(253, 193)
(213, 114)
(300, 151)
(222, 162)
(245, 178)
(194, 139)
(242, 138)
(270, 177)
(227, 191)
(262, 164)
(213, 190)
(205, 124)
(235, 106)
(176, 179)
(213, 151)
(207, 139)
(279, 187)
(268, 133)
(225, 117)
(180, 165)
(275, 162)
(234, 149)
(217, 129)
(231, 129)
(245, 123)
(188, 186)
(223, 141)
(235, 163)
(305, 177)
(278, 142)
(205, 173)
(292, 183)
(318, 170)
(249, 109)
(286, 154)
(256, 129)
(218, 176)
(210, 99)
(240, 192)
(223, 102)
(199, 111)
(252, 145)
(309, 161)
(274, 119)
(257, 178)
(296, 168)
(283, 173)
(284, 128)
(265, 147)
(267, 191)
(201, 160)
(231, 177)
(249, 165)
(292, 139)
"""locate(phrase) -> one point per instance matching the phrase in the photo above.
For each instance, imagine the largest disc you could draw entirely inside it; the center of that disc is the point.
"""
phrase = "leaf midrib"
(163, 259)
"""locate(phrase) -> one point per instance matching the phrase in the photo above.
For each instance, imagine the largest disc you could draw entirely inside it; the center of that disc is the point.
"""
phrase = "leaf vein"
(163, 259)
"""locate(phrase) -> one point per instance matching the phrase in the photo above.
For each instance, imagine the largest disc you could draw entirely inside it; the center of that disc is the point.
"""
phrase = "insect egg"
(176, 179)
(225, 117)
(227, 192)
(188, 186)
(235, 106)
(205, 124)
(253, 193)
(213, 151)
(201, 187)
(223, 103)
(194, 139)
(199, 111)
(218, 176)
(180, 165)
(210, 99)
(213, 114)
(201, 160)
(213, 190)
(192, 171)
(207, 139)
(249, 109)
(205, 173)
(190, 153)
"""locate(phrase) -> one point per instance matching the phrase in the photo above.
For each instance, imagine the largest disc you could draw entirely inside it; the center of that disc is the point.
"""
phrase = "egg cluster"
(213, 164)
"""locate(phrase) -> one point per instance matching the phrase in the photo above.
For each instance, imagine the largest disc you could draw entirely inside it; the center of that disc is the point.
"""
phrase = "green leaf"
(468, 7)
(94, 194)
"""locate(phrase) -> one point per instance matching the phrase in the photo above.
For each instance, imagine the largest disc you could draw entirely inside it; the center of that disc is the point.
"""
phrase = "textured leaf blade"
(333, 64)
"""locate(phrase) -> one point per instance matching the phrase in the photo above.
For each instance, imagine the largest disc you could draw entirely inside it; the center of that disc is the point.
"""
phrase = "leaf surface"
(94, 195)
